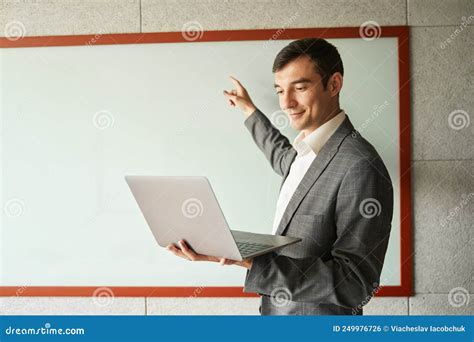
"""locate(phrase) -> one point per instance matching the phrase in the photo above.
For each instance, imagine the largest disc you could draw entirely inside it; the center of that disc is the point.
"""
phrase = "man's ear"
(335, 83)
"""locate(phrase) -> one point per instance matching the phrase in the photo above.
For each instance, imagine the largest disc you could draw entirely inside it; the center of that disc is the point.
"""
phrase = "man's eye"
(301, 88)
(279, 92)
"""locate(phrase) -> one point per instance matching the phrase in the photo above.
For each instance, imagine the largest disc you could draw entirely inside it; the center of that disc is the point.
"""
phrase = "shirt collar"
(315, 141)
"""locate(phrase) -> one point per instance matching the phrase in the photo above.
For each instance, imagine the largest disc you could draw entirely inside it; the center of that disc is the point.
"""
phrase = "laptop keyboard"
(246, 248)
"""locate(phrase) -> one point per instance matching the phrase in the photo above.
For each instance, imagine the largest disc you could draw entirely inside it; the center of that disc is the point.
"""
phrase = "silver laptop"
(186, 208)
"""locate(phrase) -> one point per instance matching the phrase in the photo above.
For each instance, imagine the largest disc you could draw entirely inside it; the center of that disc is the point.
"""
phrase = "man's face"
(302, 95)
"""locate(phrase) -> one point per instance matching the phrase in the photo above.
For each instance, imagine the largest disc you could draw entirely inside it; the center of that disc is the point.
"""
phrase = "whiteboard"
(76, 119)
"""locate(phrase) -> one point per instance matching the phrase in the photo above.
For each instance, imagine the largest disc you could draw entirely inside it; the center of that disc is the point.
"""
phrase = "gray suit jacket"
(342, 210)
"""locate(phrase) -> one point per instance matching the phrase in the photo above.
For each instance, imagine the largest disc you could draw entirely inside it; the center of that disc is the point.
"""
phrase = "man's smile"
(295, 116)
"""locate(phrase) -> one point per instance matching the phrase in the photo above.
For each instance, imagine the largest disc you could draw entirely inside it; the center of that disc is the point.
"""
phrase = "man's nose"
(287, 103)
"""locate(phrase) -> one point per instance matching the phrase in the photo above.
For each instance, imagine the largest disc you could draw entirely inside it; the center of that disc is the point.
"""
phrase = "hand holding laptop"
(184, 211)
(187, 253)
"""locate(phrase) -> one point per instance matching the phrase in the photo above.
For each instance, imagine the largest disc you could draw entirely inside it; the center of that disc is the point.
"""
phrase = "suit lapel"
(325, 155)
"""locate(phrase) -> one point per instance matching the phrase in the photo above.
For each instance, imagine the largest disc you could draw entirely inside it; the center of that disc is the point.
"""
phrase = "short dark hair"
(324, 55)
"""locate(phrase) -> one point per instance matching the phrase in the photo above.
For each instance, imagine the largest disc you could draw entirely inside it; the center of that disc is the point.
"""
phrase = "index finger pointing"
(236, 82)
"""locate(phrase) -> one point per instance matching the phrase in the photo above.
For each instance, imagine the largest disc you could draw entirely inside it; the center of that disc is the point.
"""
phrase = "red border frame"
(400, 32)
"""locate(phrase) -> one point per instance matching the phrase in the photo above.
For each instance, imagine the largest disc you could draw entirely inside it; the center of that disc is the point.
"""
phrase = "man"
(336, 193)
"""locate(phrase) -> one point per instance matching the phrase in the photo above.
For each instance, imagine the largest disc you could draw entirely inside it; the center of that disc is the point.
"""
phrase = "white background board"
(75, 120)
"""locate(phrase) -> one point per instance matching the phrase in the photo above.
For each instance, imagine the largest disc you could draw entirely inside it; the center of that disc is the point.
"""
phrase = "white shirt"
(307, 148)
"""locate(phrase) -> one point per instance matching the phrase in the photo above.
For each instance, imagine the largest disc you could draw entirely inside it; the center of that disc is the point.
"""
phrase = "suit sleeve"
(350, 274)
(275, 146)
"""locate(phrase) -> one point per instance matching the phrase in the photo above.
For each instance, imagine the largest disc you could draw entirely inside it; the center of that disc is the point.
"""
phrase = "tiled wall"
(442, 135)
